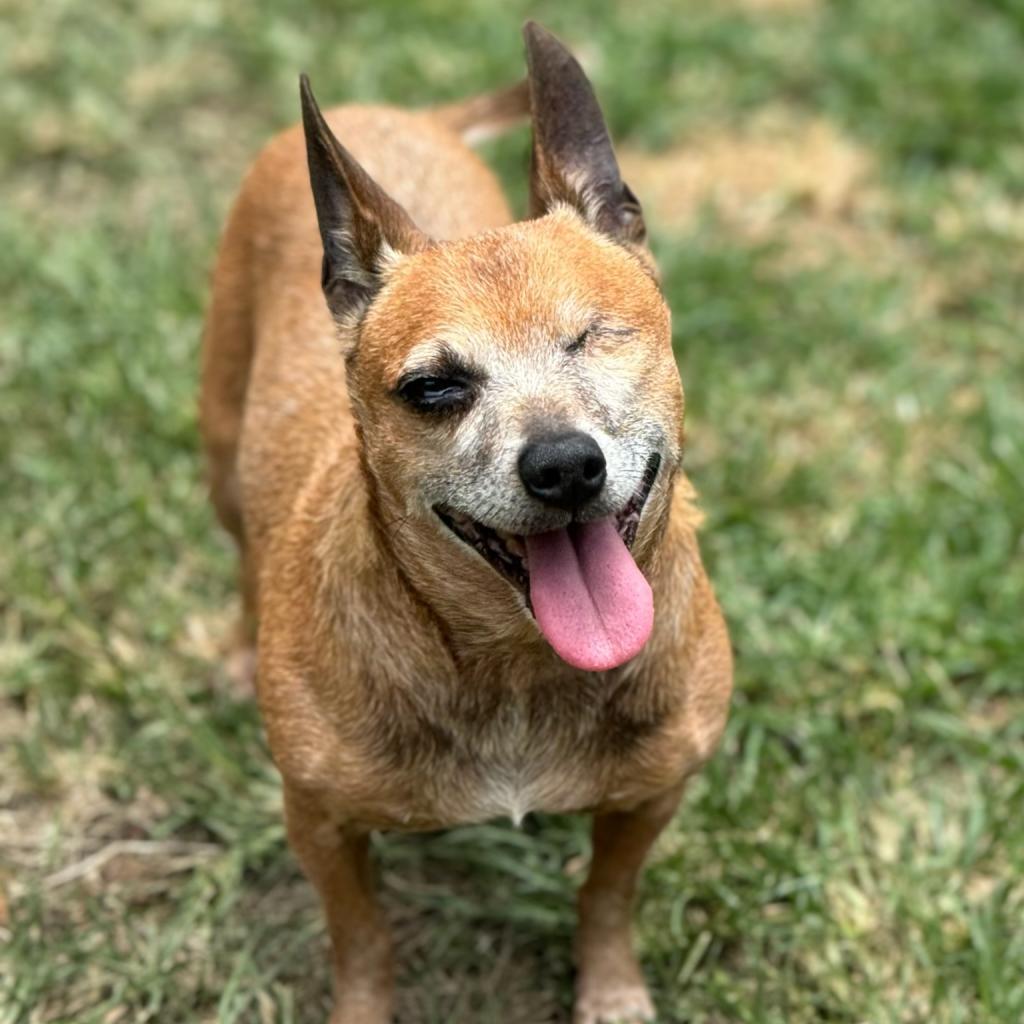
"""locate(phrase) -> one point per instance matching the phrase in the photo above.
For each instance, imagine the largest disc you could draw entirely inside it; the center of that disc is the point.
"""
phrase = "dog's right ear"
(362, 228)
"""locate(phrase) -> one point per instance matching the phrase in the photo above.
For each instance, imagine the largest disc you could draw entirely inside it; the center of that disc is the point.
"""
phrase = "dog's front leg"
(337, 862)
(610, 987)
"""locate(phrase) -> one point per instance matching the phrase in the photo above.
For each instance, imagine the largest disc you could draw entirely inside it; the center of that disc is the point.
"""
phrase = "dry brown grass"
(783, 175)
(777, 6)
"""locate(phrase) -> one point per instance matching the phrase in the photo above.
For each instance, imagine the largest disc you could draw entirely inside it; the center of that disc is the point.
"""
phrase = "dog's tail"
(482, 117)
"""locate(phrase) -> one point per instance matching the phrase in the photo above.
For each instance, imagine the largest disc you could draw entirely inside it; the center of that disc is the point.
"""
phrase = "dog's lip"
(506, 551)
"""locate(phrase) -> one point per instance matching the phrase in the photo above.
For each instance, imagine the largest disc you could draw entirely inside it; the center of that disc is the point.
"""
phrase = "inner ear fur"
(573, 160)
(361, 227)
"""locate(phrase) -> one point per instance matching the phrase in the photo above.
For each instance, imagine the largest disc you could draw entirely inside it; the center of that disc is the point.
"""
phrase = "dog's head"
(516, 391)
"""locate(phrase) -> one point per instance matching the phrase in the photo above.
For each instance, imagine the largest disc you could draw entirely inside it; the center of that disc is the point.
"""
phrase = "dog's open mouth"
(506, 552)
(589, 598)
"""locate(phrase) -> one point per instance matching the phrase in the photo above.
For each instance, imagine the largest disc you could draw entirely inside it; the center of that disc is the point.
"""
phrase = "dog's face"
(488, 368)
(516, 391)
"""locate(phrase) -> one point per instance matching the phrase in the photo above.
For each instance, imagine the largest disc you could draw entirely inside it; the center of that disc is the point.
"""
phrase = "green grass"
(855, 853)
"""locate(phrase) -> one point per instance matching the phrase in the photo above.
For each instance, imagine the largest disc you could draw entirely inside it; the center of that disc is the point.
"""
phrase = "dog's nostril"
(563, 470)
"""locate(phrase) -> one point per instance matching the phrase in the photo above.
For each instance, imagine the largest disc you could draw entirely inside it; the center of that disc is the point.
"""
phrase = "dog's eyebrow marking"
(441, 362)
(613, 330)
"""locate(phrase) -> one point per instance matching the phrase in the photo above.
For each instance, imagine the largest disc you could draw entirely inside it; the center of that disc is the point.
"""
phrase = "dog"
(469, 562)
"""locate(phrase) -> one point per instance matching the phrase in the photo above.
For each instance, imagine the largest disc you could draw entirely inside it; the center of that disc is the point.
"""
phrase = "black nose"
(563, 470)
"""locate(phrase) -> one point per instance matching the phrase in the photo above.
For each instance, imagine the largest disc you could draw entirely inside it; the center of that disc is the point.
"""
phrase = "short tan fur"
(402, 678)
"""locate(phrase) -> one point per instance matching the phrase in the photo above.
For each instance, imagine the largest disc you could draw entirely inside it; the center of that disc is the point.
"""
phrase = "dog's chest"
(540, 749)
(519, 766)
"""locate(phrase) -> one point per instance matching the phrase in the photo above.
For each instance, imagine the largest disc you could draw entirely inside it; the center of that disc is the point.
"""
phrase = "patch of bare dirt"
(69, 827)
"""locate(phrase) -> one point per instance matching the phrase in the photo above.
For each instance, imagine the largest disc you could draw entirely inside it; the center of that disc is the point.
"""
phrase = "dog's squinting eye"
(599, 330)
(581, 340)
(436, 394)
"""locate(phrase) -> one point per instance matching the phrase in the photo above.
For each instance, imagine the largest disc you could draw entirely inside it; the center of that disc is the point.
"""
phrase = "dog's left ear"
(573, 161)
(362, 228)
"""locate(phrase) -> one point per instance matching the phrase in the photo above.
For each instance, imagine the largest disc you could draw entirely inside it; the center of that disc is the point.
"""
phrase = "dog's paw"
(613, 1004)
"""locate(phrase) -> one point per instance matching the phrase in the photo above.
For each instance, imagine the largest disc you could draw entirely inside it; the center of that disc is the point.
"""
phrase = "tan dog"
(463, 527)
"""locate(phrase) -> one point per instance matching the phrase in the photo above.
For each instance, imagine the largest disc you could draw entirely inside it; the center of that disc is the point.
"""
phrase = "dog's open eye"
(436, 394)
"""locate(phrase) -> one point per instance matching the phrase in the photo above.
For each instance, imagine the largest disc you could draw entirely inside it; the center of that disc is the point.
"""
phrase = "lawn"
(836, 192)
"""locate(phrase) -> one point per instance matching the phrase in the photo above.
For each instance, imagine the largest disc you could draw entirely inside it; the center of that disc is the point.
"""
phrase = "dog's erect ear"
(361, 226)
(573, 160)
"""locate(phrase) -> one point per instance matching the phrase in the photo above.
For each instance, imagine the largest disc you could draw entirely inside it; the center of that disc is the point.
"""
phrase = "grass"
(855, 853)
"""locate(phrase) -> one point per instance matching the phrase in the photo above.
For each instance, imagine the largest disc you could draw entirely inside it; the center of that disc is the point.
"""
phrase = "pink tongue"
(591, 601)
